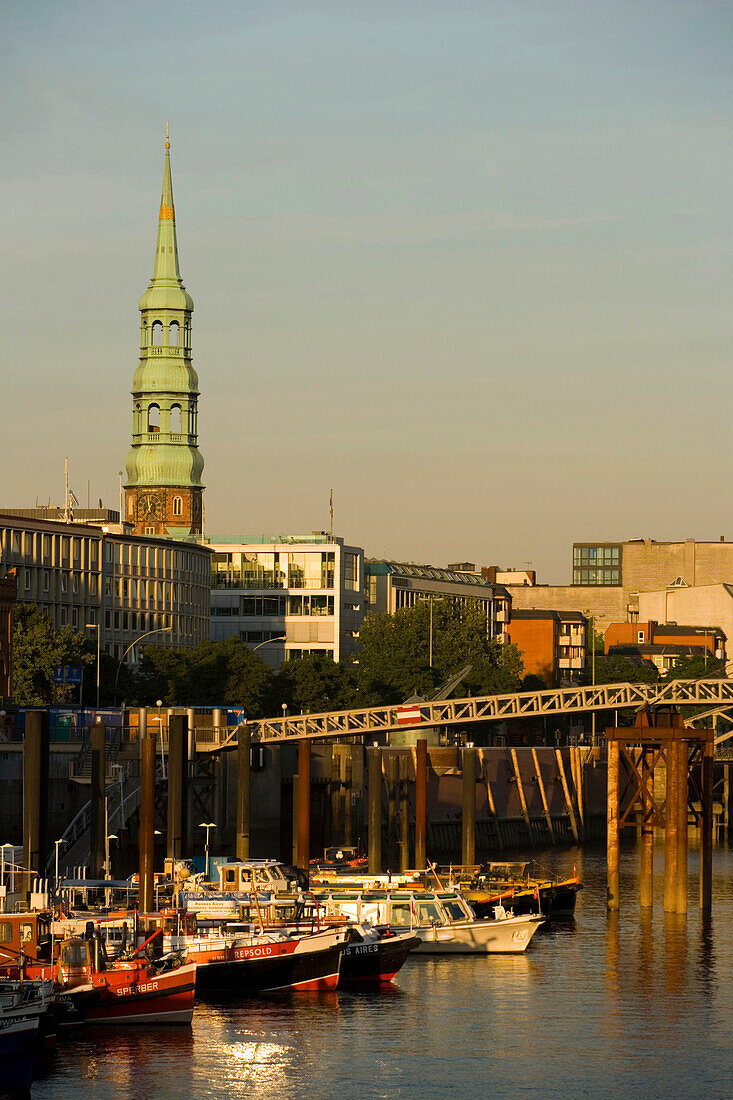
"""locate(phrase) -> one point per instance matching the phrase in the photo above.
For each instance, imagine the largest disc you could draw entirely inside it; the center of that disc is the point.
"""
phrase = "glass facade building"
(597, 563)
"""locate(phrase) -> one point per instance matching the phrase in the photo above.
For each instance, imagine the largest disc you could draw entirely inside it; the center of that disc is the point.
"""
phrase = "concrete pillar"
(97, 827)
(682, 791)
(671, 825)
(468, 817)
(646, 868)
(706, 830)
(146, 843)
(304, 805)
(421, 804)
(244, 746)
(177, 831)
(218, 721)
(374, 764)
(612, 827)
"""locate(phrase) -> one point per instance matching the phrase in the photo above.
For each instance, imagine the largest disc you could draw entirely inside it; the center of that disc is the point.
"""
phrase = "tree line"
(391, 664)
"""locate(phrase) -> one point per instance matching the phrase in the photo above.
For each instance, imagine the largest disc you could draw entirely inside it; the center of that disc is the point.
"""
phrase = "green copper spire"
(164, 465)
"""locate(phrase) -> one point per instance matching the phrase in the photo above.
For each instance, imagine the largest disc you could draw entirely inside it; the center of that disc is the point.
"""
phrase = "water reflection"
(605, 1006)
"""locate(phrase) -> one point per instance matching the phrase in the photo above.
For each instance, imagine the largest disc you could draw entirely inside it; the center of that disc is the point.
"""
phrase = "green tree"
(38, 648)
(223, 672)
(699, 666)
(314, 684)
(616, 669)
(393, 659)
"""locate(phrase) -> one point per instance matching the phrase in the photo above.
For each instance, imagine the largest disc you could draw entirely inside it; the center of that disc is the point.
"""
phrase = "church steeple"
(163, 492)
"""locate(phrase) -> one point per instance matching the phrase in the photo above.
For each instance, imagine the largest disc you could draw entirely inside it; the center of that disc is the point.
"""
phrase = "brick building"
(662, 645)
(553, 643)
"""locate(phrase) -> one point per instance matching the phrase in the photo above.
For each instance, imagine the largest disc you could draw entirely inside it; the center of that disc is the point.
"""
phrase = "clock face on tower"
(150, 506)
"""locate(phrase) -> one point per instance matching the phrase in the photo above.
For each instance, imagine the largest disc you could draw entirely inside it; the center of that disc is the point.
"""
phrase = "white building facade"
(288, 595)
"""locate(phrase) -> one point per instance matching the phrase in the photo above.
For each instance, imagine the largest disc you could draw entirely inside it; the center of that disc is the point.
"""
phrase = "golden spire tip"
(167, 135)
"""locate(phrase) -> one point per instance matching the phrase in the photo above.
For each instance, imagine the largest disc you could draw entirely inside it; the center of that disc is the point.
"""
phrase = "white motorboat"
(443, 919)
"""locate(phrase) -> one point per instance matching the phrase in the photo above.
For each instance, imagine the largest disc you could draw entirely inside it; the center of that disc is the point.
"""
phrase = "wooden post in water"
(421, 803)
(646, 868)
(295, 821)
(682, 827)
(244, 778)
(706, 829)
(35, 793)
(304, 804)
(374, 772)
(404, 813)
(391, 776)
(543, 795)
(146, 842)
(177, 786)
(97, 835)
(612, 827)
(671, 825)
(468, 816)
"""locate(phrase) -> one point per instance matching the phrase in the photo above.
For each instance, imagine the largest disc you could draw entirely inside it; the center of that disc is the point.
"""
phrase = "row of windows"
(156, 557)
(596, 555)
(182, 625)
(260, 569)
(54, 549)
(257, 607)
(597, 577)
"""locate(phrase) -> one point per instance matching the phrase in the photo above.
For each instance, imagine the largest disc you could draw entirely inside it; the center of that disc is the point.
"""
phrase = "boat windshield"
(401, 913)
(427, 912)
(454, 910)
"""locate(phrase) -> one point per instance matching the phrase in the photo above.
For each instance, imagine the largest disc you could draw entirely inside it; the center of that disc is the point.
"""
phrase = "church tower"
(163, 491)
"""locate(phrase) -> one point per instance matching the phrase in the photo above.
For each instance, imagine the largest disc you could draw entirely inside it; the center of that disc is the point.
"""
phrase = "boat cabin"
(254, 875)
(397, 908)
(26, 934)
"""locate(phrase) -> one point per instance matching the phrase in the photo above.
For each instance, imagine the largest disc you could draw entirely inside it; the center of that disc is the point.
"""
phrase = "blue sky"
(467, 264)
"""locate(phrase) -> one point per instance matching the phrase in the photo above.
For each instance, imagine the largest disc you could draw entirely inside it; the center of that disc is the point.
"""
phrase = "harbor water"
(634, 1004)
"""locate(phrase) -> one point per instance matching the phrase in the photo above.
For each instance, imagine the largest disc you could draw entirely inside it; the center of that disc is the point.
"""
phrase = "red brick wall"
(537, 642)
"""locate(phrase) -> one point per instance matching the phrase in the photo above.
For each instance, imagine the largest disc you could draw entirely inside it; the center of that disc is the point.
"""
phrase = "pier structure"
(658, 738)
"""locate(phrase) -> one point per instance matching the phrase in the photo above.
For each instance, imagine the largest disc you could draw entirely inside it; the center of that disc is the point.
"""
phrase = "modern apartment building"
(391, 585)
(288, 595)
(82, 575)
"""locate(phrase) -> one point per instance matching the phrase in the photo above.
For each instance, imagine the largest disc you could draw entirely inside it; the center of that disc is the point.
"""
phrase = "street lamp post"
(282, 638)
(57, 844)
(158, 630)
(207, 825)
(430, 600)
(2, 870)
(98, 628)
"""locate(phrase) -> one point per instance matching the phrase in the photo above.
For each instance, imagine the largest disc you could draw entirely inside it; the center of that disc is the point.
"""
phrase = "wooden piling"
(177, 786)
(295, 821)
(612, 826)
(97, 825)
(577, 763)
(374, 772)
(146, 841)
(682, 827)
(468, 816)
(566, 792)
(494, 817)
(646, 867)
(421, 803)
(404, 813)
(706, 829)
(543, 796)
(244, 780)
(304, 805)
(671, 826)
(35, 793)
(390, 767)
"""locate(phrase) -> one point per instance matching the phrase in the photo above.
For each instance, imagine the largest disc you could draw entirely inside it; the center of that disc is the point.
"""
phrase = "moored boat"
(442, 919)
